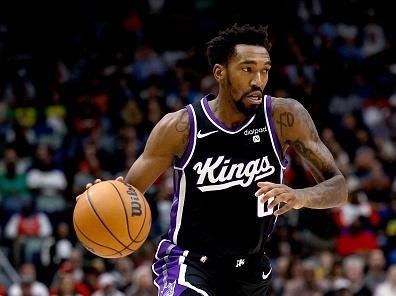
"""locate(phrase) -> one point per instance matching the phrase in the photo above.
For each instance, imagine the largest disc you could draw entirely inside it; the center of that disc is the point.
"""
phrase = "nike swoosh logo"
(201, 135)
(265, 276)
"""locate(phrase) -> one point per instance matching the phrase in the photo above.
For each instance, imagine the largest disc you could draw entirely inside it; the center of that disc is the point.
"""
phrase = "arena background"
(83, 83)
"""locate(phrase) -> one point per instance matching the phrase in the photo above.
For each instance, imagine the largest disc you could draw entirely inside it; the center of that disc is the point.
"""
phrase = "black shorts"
(180, 272)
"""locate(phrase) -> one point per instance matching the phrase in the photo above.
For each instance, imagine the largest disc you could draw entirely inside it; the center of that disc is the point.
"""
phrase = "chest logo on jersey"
(221, 173)
(255, 131)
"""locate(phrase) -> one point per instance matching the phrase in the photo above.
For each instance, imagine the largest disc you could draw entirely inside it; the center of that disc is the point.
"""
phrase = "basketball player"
(227, 151)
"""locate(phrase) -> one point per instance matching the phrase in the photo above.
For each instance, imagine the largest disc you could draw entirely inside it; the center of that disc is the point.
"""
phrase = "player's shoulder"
(290, 116)
(175, 121)
(171, 133)
(290, 105)
(175, 126)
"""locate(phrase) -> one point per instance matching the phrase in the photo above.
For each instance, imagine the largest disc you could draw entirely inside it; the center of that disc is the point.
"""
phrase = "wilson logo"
(221, 174)
(136, 207)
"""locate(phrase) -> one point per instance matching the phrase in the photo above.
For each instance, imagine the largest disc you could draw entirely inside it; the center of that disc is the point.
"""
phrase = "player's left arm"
(295, 128)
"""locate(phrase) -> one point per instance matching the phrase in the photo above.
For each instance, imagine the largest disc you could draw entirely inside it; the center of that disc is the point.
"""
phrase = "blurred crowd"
(79, 105)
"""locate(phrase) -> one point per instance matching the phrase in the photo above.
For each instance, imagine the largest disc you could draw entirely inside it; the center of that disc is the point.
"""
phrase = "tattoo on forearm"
(320, 167)
(286, 119)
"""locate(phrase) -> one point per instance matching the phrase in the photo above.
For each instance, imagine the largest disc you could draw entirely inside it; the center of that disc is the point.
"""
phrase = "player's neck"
(226, 112)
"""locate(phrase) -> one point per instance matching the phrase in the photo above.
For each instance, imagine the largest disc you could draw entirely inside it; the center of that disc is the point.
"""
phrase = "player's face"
(246, 77)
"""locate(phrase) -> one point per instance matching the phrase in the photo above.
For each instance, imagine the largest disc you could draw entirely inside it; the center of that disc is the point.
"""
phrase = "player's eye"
(247, 69)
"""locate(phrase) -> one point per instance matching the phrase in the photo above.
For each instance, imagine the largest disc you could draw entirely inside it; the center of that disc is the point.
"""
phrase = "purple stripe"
(177, 175)
(180, 163)
(168, 268)
(273, 132)
(215, 119)
(166, 262)
(168, 248)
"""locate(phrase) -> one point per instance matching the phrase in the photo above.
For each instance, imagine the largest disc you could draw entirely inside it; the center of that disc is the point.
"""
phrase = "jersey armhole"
(274, 138)
(181, 163)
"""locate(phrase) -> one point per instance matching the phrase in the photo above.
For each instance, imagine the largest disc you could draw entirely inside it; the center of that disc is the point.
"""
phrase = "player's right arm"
(168, 140)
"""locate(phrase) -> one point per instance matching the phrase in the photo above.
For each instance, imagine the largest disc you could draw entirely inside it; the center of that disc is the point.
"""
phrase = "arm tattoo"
(296, 128)
(320, 167)
(286, 119)
(317, 154)
(331, 190)
(183, 126)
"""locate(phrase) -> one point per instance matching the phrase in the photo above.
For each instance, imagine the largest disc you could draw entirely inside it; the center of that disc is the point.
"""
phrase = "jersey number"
(262, 208)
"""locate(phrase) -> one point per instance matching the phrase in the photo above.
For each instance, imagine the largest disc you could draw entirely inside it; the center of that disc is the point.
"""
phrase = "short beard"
(244, 110)
(248, 112)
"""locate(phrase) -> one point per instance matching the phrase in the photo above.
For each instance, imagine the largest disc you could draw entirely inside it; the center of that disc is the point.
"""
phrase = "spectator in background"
(123, 272)
(28, 285)
(76, 259)
(90, 168)
(356, 239)
(23, 138)
(147, 63)
(13, 186)
(280, 274)
(128, 147)
(89, 283)
(46, 181)
(63, 246)
(353, 267)
(305, 285)
(323, 271)
(86, 117)
(388, 287)
(107, 286)
(373, 39)
(347, 133)
(27, 230)
(65, 286)
(131, 113)
(340, 156)
(358, 206)
(55, 115)
(376, 269)
(142, 282)
(373, 179)
(341, 287)
(349, 49)
(11, 157)
(104, 143)
(72, 265)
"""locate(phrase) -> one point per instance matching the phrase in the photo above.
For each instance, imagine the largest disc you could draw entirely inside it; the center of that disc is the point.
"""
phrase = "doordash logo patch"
(255, 131)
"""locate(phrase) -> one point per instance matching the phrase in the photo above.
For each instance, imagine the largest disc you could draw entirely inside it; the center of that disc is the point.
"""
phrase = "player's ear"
(218, 72)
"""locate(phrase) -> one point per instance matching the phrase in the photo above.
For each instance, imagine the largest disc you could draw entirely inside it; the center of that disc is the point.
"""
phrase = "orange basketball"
(112, 219)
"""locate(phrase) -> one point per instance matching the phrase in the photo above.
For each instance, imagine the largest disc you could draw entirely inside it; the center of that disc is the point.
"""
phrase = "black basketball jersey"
(214, 210)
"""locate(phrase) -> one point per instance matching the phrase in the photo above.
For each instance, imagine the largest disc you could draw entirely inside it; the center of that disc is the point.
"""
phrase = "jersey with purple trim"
(215, 211)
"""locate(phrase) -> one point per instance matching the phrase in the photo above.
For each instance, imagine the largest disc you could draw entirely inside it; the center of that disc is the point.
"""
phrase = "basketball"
(112, 219)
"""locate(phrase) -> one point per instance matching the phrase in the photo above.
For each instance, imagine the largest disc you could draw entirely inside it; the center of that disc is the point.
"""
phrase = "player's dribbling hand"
(120, 178)
(292, 198)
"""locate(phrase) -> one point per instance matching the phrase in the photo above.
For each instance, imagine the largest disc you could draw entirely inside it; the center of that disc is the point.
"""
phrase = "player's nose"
(258, 80)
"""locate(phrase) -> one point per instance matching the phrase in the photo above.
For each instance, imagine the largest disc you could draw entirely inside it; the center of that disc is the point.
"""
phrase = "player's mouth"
(255, 97)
